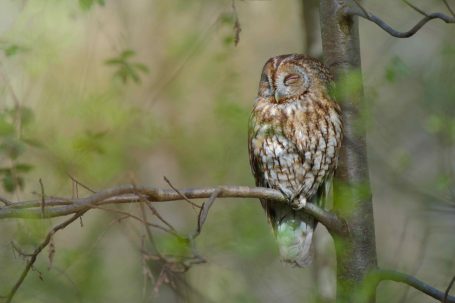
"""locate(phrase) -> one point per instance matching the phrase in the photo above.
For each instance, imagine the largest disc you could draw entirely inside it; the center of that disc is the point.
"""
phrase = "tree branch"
(38, 250)
(380, 275)
(360, 11)
(56, 207)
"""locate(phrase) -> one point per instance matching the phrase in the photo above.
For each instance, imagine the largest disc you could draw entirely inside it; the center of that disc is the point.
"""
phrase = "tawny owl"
(295, 134)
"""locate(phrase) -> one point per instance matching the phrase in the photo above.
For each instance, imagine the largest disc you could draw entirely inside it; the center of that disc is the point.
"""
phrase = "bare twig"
(360, 11)
(20, 251)
(5, 201)
(81, 184)
(146, 223)
(38, 250)
(446, 294)
(43, 197)
(147, 227)
(389, 275)
(205, 211)
(415, 8)
(449, 8)
(56, 207)
(157, 214)
(237, 27)
(182, 195)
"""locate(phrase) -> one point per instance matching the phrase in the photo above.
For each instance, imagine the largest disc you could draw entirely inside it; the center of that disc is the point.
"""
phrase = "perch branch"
(390, 275)
(360, 11)
(57, 207)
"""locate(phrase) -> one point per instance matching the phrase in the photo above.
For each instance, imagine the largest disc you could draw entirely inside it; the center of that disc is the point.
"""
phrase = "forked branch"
(357, 9)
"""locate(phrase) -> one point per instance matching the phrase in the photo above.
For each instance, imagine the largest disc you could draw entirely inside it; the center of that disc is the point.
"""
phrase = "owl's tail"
(294, 233)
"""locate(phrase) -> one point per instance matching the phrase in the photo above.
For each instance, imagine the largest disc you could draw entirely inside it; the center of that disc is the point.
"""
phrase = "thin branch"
(81, 184)
(177, 191)
(43, 198)
(157, 214)
(360, 11)
(20, 251)
(38, 250)
(146, 223)
(389, 275)
(446, 294)
(5, 201)
(449, 8)
(415, 8)
(204, 212)
(56, 207)
(237, 27)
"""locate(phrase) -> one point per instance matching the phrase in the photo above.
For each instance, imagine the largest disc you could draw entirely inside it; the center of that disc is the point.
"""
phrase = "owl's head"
(287, 77)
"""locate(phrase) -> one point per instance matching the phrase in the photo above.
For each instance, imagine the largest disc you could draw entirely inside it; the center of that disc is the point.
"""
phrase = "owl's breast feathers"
(294, 145)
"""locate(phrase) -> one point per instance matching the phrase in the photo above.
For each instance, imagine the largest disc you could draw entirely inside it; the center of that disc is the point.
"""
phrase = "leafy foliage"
(396, 69)
(12, 147)
(11, 50)
(127, 70)
(88, 4)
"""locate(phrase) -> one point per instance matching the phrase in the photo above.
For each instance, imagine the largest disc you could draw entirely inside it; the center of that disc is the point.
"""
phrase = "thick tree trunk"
(356, 253)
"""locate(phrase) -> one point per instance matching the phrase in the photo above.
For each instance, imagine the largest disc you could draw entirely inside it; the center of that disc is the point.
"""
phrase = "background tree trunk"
(356, 253)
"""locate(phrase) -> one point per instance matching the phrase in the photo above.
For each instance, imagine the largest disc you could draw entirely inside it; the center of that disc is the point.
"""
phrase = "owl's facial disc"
(290, 83)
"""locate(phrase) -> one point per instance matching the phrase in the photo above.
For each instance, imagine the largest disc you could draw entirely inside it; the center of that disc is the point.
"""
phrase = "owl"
(295, 133)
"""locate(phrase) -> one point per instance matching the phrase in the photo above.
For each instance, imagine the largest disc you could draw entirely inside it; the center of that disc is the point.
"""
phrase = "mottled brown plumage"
(295, 135)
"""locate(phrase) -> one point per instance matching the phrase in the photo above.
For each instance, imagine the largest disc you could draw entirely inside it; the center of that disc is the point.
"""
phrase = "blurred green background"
(114, 92)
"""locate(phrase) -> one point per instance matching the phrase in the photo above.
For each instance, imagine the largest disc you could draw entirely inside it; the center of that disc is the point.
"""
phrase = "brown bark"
(356, 253)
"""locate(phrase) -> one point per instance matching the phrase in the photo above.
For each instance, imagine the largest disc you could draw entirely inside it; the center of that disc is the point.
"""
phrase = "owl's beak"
(279, 95)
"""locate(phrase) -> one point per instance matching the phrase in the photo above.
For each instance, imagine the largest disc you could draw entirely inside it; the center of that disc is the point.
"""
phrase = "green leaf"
(141, 67)
(348, 86)
(435, 124)
(396, 69)
(14, 49)
(86, 4)
(23, 167)
(12, 147)
(127, 70)
(89, 143)
(6, 128)
(114, 61)
(128, 53)
(228, 40)
(8, 183)
(26, 115)
(227, 18)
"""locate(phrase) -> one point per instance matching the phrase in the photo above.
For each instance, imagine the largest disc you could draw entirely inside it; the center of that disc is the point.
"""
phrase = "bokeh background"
(115, 92)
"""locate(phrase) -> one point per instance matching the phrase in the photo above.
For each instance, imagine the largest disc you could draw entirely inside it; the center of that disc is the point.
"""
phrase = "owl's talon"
(298, 204)
(287, 193)
(294, 201)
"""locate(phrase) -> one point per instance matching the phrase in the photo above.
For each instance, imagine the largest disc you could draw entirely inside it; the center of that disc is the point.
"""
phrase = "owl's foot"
(293, 198)
(298, 203)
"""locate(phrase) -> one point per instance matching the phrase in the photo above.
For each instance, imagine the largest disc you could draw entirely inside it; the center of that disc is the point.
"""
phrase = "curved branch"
(57, 207)
(389, 275)
(360, 11)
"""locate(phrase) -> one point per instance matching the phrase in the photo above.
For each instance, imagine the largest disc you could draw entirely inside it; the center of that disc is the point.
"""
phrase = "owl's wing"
(255, 163)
